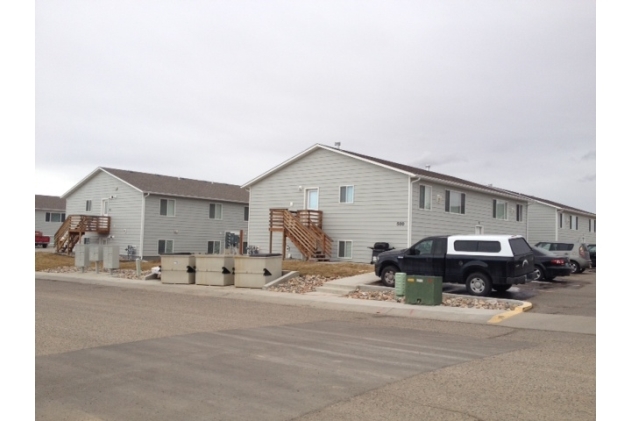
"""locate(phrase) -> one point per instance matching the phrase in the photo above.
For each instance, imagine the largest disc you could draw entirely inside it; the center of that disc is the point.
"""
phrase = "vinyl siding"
(47, 228)
(380, 201)
(192, 223)
(543, 226)
(542, 223)
(124, 210)
(478, 211)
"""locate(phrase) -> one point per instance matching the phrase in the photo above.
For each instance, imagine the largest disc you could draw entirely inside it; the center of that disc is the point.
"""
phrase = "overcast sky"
(500, 92)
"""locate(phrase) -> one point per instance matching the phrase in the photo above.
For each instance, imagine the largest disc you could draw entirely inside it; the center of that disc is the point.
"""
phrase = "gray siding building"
(50, 213)
(364, 200)
(151, 214)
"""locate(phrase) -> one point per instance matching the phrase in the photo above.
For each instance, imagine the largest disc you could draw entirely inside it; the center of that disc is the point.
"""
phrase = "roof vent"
(427, 167)
(338, 144)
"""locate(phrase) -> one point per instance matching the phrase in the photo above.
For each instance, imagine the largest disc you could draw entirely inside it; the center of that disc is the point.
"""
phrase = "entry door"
(105, 203)
(312, 199)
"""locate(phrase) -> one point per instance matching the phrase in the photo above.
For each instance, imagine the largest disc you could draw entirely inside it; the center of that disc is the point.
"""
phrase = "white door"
(312, 199)
(479, 230)
(105, 203)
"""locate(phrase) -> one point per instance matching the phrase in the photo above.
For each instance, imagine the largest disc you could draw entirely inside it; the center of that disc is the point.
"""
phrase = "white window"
(425, 197)
(167, 207)
(88, 205)
(592, 225)
(347, 194)
(500, 209)
(560, 220)
(454, 201)
(165, 246)
(215, 211)
(214, 247)
(55, 217)
(246, 213)
(519, 213)
(574, 222)
(345, 249)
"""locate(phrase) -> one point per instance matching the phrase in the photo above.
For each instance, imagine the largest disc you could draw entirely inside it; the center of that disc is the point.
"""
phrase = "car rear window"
(477, 246)
(561, 247)
(519, 246)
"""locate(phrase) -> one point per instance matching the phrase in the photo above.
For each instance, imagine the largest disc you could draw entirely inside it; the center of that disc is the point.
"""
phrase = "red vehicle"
(41, 239)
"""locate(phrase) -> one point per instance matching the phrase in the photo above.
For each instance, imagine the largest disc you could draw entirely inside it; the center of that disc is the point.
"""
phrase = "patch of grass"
(45, 261)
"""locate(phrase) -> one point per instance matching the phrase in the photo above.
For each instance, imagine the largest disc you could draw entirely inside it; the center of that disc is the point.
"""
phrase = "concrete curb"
(503, 316)
(284, 278)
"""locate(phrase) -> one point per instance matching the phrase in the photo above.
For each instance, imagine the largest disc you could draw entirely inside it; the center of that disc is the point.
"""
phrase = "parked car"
(592, 253)
(548, 265)
(481, 262)
(576, 252)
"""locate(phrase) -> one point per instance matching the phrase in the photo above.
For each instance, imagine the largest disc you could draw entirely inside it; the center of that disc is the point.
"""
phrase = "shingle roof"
(43, 202)
(181, 187)
(555, 204)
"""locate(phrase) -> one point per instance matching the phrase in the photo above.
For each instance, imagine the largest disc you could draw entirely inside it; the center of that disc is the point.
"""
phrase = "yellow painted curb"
(503, 316)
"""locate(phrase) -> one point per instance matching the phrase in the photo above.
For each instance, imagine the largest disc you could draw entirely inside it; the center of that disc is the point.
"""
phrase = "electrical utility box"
(111, 258)
(424, 290)
(96, 253)
(81, 256)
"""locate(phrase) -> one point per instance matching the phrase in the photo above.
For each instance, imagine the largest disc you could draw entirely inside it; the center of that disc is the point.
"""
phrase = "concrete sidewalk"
(334, 301)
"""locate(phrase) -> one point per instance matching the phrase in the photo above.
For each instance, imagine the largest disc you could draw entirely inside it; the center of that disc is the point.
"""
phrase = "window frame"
(462, 199)
(425, 199)
(560, 223)
(214, 242)
(88, 205)
(246, 213)
(346, 201)
(519, 212)
(345, 249)
(49, 217)
(166, 242)
(220, 211)
(167, 207)
(496, 204)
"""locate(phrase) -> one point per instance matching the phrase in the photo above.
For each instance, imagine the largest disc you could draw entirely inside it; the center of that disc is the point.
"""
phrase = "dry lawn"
(45, 261)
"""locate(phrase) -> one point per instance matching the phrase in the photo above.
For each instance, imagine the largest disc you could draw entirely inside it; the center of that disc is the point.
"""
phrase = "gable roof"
(404, 169)
(424, 174)
(173, 186)
(55, 203)
(559, 206)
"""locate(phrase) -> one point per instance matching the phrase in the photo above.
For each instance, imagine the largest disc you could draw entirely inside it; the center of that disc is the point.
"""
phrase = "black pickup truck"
(481, 262)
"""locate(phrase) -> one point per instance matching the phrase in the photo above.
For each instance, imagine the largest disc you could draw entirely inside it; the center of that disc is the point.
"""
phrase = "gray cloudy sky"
(492, 91)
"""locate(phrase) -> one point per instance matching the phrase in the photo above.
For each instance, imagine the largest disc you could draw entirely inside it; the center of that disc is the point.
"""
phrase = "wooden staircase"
(304, 229)
(75, 227)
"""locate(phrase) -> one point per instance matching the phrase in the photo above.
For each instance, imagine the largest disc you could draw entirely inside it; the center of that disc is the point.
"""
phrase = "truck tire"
(387, 275)
(478, 284)
(44, 245)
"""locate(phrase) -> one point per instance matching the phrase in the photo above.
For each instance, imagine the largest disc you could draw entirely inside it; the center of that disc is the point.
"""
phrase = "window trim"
(221, 211)
(246, 213)
(346, 186)
(167, 208)
(560, 222)
(49, 217)
(88, 205)
(345, 249)
(519, 212)
(497, 202)
(214, 242)
(427, 197)
(463, 197)
(166, 242)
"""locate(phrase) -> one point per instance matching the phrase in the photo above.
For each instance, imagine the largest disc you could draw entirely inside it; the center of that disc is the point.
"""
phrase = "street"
(116, 353)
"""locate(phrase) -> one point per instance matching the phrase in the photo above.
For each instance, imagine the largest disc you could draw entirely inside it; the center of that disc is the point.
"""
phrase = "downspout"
(142, 226)
(410, 196)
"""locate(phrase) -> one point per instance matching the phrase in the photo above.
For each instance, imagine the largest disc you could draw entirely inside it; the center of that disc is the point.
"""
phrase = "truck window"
(465, 245)
(489, 246)
(519, 246)
(424, 247)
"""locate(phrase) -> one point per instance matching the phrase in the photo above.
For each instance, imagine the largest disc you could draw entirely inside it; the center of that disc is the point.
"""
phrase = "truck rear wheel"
(478, 284)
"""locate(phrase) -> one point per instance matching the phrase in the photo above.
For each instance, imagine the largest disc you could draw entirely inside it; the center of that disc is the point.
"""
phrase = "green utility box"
(424, 290)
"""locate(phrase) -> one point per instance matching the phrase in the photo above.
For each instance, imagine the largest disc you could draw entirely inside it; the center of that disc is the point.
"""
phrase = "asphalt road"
(116, 353)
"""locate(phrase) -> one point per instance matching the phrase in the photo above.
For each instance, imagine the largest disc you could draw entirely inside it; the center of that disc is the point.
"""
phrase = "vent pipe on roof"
(427, 167)
(338, 144)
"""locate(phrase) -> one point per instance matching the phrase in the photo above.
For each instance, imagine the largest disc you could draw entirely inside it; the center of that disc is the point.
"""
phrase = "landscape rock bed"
(301, 284)
(118, 273)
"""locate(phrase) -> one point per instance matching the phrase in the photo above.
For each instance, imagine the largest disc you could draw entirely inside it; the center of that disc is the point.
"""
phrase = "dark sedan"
(548, 265)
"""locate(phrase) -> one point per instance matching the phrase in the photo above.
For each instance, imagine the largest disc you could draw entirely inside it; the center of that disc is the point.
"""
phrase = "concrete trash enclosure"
(178, 269)
(214, 269)
(254, 271)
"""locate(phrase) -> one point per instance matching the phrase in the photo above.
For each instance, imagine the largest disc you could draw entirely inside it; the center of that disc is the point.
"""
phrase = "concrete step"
(336, 289)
